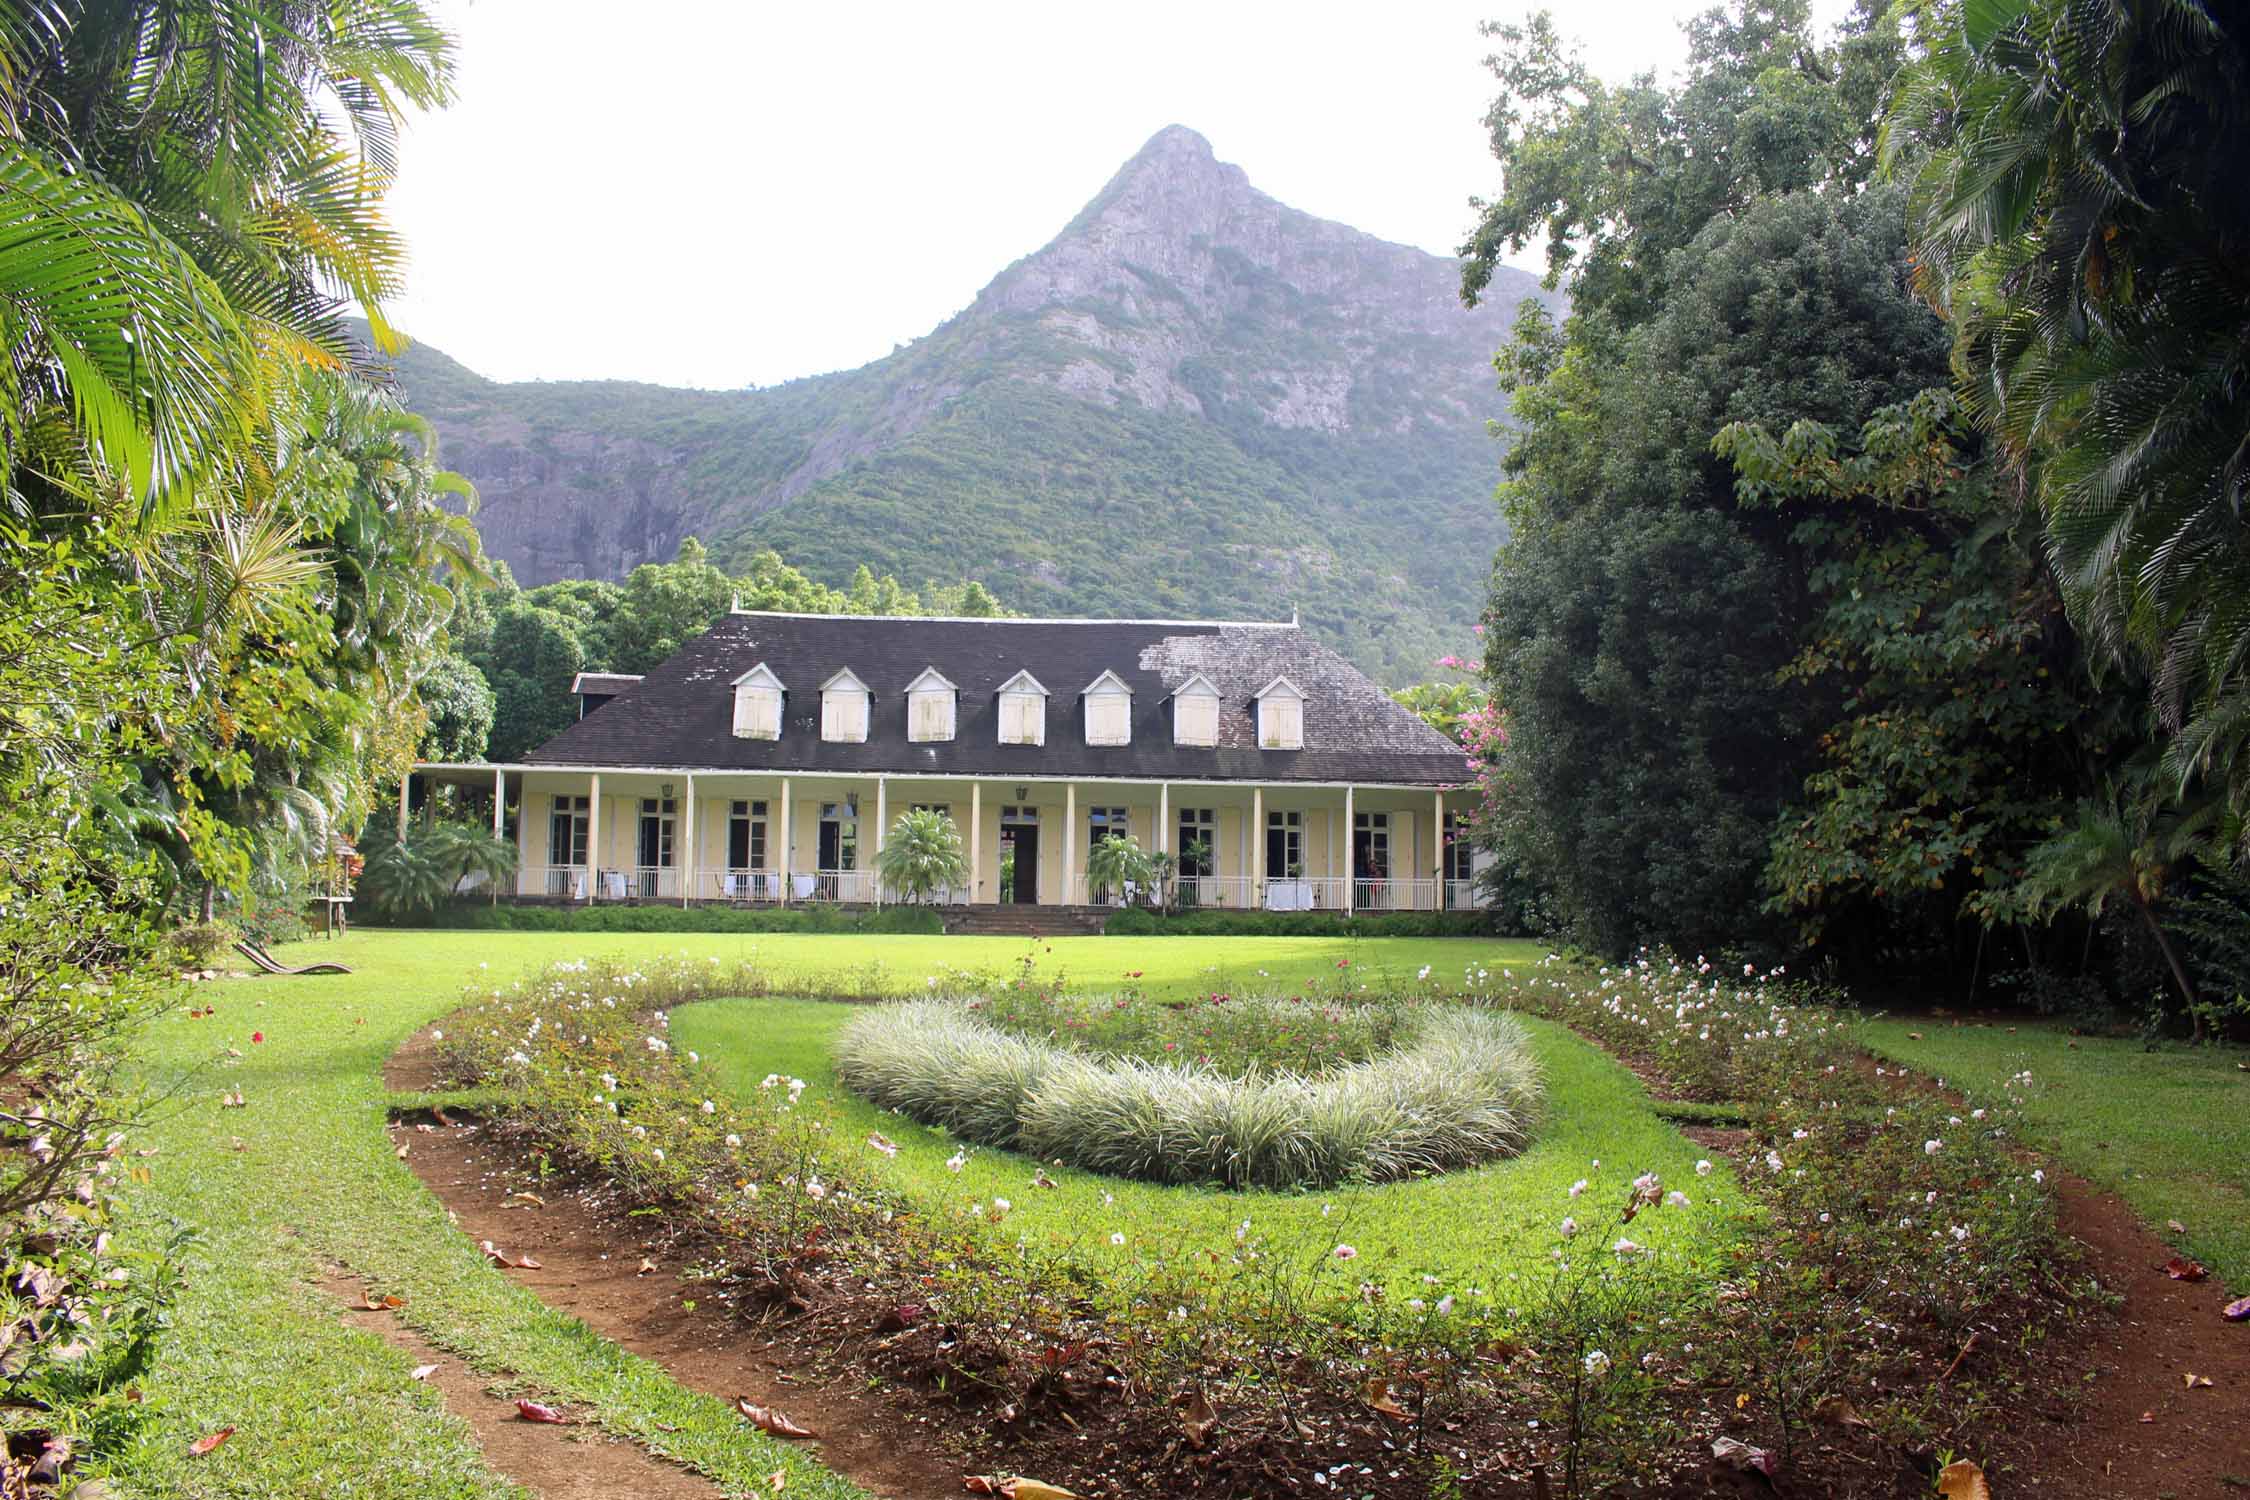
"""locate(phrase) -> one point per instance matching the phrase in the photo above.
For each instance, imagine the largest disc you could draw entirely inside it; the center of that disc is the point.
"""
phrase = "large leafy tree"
(2079, 216)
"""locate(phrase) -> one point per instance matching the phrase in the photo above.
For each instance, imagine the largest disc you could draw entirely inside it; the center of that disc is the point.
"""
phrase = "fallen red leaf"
(502, 1258)
(769, 1420)
(980, 1484)
(257, 1036)
(205, 1444)
(388, 1302)
(540, 1411)
(2180, 1268)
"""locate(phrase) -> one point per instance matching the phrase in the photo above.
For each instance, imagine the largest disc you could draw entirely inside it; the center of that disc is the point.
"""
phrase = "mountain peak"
(1175, 140)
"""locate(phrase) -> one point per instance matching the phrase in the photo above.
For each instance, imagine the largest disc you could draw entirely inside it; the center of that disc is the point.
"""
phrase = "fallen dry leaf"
(402, 1153)
(1378, 1398)
(1197, 1418)
(2148, 1416)
(2237, 1311)
(231, 1100)
(980, 1484)
(2175, 1226)
(206, 1443)
(388, 1302)
(2196, 1382)
(422, 1372)
(531, 1198)
(502, 1258)
(2180, 1268)
(1963, 1480)
(540, 1411)
(1736, 1454)
(1032, 1489)
(769, 1420)
(647, 1265)
(779, 1480)
(1839, 1410)
(1914, 1036)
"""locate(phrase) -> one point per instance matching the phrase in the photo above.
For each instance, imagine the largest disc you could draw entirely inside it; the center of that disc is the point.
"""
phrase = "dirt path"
(557, 1463)
(591, 1269)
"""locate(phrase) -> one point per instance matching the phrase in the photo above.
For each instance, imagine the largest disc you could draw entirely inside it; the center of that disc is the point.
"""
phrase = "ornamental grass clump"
(1459, 1088)
(934, 1061)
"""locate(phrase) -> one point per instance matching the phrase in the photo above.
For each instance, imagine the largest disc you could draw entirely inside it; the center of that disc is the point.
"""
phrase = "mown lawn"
(1470, 1230)
(304, 1175)
(2168, 1130)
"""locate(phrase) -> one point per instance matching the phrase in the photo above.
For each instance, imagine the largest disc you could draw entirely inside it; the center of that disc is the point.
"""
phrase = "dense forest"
(1876, 584)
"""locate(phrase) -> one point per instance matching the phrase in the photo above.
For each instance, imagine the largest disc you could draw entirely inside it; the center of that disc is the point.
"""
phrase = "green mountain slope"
(1194, 401)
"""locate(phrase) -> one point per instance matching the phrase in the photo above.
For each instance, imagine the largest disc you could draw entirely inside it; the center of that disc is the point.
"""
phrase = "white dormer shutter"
(1195, 713)
(843, 709)
(757, 705)
(930, 708)
(1281, 716)
(1109, 711)
(1023, 711)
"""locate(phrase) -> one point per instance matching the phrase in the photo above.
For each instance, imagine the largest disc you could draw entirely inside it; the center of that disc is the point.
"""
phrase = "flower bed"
(1879, 1306)
(1460, 1087)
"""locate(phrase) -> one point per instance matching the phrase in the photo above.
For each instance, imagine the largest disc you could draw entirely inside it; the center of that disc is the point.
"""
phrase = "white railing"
(1306, 893)
(563, 882)
(743, 887)
(1461, 895)
(1132, 893)
(944, 895)
(1224, 892)
(832, 885)
(1395, 895)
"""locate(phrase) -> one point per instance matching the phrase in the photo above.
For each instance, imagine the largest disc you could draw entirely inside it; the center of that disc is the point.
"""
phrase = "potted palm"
(1115, 864)
(922, 856)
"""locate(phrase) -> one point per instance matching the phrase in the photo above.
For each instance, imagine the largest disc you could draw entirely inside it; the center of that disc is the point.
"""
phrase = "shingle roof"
(603, 682)
(681, 713)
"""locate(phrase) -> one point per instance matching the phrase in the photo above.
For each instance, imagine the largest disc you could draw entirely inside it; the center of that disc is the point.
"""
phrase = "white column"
(1439, 872)
(1255, 851)
(882, 827)
(523, 829)
(976, 840)
(784, 841)
(1351, 844)
(1163, 840)
(1335, 867)
(686, 851)
(594, 841)
(499, 800)
(405, 788)
(1070, 839)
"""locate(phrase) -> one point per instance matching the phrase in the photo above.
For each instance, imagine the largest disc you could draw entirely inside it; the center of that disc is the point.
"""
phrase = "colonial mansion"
(765, 760)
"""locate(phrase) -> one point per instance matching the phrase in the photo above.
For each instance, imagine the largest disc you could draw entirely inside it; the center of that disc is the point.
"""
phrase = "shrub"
(478, 917)
(922, 855)
(1144, 922)
(1461, 1088)
(271, 924)
(198, 945)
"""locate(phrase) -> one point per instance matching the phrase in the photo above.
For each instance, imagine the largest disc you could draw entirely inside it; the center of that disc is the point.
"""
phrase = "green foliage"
(2078, 217)
(461, 706)
(1118, 863)
(820, 918)
(922, 855)
(412, 877)
(1136, 921)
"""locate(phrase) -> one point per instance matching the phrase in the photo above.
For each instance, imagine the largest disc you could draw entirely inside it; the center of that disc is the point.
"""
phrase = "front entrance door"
(1019, 855)
(1371, 859)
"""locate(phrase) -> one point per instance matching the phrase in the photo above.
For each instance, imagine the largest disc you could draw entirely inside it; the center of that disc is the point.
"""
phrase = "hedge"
(916, 921)
(1141, 922)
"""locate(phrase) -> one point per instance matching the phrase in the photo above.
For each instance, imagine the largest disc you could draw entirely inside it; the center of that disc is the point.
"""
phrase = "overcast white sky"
(718, 193)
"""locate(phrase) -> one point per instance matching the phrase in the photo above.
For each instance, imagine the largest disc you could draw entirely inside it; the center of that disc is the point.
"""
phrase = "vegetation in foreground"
(1890, 1229)
(2166, 1127)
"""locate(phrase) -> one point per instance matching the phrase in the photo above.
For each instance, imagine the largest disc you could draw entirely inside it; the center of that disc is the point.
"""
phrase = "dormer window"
(1023, 711)
(1109, 711)
(757, 705)
(1195, 712)
(843, 709)
(930, 705)
(1281, 716)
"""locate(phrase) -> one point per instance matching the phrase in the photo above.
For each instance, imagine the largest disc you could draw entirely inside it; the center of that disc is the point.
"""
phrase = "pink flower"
(1346, 1252)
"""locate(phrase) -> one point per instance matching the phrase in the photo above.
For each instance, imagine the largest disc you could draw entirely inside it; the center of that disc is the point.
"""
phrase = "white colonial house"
(767, 758)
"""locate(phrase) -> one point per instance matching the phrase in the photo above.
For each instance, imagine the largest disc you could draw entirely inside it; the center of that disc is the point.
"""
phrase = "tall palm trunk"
(2179, 974)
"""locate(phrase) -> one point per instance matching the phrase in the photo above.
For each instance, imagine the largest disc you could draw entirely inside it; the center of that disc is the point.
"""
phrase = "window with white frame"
(746, 835)
(1195, 712)
(1199, 842)
(1109, 711)
(757, 705)
(1460, 853)
(843, 709)
(930, 708)
(566, 832)
(1281, 716)
(1023, 711)
(1107, 822)
(1285, 845)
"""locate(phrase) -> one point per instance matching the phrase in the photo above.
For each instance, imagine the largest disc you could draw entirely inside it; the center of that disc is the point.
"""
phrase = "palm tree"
(1114, 864)
(922, 856)
(2127, 847)
(2078, 215)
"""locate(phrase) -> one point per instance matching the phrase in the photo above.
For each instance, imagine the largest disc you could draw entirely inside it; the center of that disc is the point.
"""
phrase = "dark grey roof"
(603, 682)
(681, 714)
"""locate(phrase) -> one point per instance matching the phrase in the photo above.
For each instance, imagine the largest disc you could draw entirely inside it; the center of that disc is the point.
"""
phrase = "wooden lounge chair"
(265, 961)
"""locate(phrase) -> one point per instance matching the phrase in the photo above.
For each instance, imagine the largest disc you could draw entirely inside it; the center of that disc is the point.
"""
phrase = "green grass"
(1470, 1228)
(2169, 1131)
(325, 1410)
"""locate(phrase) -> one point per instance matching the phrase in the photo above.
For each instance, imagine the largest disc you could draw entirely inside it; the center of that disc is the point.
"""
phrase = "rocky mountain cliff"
(1193, 401)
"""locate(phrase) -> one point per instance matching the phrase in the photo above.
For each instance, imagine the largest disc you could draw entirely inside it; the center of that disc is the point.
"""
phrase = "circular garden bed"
(1443, 1088)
